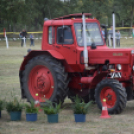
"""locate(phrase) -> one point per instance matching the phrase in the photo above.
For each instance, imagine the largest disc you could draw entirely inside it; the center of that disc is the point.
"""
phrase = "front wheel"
(114, 93)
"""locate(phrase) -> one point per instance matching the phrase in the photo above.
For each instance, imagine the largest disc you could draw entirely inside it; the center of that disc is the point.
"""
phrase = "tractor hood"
(114, 56)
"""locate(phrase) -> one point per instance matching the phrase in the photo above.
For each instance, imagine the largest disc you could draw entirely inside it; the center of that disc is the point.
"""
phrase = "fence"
(126, 36)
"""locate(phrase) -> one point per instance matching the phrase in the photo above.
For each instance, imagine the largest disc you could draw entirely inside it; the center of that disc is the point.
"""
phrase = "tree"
(12, 12)
(33, 12)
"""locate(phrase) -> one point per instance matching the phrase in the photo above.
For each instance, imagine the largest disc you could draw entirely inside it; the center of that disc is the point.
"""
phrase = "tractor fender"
(56, 54)
(35, 53)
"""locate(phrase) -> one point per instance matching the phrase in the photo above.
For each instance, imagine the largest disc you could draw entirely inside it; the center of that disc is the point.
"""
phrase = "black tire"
(87, 98)
(117, 89)
(60, 78)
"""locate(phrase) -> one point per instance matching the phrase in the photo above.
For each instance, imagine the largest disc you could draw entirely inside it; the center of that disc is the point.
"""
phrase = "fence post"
(113, 30)
(24, 41)
(6, 38)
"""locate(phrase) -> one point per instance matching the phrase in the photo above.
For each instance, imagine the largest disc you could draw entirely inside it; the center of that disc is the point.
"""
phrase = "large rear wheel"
(114, 93)
(45, 76)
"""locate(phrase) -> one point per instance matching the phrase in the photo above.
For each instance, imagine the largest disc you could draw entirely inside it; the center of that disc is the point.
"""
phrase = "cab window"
(51, 35)
(64, 35)
(93, 34)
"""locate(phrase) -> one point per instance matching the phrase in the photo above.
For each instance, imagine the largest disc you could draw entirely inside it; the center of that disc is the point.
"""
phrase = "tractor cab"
(66, 36)
(68, 30)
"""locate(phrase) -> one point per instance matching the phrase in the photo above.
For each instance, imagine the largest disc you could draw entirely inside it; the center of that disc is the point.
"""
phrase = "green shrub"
(30, 108)
(52, 108)
(14, 106)
(2, 104)
(80, 107)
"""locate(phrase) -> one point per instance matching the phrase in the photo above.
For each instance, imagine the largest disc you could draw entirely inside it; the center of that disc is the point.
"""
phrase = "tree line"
(33, 12)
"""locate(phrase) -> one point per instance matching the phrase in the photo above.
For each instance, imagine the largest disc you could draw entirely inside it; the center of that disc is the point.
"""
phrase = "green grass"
(10, 61)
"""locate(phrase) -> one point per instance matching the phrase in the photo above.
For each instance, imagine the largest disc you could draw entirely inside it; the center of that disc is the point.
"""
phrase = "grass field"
(10, 61)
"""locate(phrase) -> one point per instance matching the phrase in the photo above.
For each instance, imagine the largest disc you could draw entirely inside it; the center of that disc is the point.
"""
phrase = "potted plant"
(14, 108)
(2, 105)
(51, 110)
(31, 112)
(80, 109)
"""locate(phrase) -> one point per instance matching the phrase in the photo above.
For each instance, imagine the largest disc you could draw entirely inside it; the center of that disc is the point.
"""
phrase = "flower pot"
(15, 116)
(31, 116)
(80, 117)
(52, 118)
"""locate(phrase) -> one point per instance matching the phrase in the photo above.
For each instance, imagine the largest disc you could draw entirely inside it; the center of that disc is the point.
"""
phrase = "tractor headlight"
(132, 52)
(118, 67)
(133, 67)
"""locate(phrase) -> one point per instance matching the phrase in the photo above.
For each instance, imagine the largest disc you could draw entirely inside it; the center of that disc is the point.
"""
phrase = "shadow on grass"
(67, 106)
(129, 108)
(93, 107)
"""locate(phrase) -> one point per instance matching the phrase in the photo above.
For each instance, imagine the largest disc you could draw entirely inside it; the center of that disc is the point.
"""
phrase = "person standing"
(21, 36)
(110, 36)
(24, 33)
(32, 39)
(118, 35)
(103, 33)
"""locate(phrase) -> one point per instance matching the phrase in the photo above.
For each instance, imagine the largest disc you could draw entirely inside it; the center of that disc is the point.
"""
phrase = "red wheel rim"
(109, 95)
(41, 82)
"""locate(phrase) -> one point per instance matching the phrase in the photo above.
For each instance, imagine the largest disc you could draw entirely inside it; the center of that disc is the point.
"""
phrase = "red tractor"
(76, 60)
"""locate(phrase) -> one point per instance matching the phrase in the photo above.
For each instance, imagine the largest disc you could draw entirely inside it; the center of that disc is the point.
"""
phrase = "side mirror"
(93, 46)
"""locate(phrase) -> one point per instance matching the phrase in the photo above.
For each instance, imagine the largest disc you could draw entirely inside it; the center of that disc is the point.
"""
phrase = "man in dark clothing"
(21, 36)
(24, 33)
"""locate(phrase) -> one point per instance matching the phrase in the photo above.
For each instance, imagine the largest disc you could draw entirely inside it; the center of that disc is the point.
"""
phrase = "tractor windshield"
(93, 34)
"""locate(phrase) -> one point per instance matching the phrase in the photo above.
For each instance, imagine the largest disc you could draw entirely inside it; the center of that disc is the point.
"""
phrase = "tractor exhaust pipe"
(85, 52)
(85, 42)
(113, 30)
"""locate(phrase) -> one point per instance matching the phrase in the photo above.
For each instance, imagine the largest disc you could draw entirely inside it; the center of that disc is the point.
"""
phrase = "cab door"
(65, 43)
